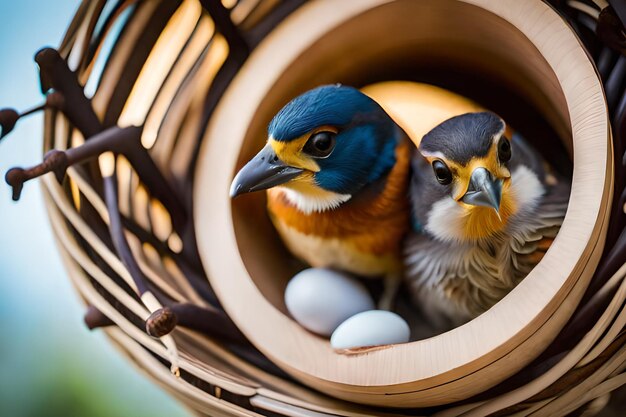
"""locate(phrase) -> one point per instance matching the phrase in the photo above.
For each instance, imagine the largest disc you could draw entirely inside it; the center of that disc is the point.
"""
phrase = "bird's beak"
(263, 171)
(483, 190)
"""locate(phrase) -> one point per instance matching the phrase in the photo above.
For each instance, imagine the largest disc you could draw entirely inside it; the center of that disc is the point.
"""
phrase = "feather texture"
(463, 258)
(453, 281)
(367, 230)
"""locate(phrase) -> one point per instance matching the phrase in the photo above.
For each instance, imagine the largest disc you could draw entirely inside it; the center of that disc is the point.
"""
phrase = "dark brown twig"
(610, 30)
(237, 43)
(94, 318)
(54, 161)
(117, 234)
(125, 141)
(161, 322)
(212, 322)
(10, 117)
(55, 74)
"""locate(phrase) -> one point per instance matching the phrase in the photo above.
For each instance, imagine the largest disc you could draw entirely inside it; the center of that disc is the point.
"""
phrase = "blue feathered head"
(330, 141)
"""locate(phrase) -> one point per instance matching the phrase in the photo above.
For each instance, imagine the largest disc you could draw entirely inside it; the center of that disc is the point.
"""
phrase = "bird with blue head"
(337, 169)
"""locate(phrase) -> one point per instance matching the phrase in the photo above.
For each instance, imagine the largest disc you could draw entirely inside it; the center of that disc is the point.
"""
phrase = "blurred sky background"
(51, 364)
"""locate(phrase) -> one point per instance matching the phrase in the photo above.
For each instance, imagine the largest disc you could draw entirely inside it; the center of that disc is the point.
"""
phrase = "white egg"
(371, 328)
(321, 299)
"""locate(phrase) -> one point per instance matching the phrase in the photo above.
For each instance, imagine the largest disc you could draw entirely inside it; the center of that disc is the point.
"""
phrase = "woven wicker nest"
(157, 103)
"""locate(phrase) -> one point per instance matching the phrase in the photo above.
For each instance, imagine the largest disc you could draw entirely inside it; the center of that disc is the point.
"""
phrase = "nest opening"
(535, 75)
(448, 44)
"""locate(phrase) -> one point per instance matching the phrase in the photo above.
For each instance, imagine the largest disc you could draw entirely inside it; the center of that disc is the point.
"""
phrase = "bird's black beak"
(263, 171)
(483, 190)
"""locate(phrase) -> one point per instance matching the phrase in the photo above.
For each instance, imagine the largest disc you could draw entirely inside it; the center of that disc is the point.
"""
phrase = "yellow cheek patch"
(305, 184)
(463, 173)
(291, 153)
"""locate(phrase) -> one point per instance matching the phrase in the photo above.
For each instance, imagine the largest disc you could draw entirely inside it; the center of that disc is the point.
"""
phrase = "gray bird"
(485, 208)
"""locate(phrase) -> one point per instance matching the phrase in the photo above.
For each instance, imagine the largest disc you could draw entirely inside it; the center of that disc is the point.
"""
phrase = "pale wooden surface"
(506, 337)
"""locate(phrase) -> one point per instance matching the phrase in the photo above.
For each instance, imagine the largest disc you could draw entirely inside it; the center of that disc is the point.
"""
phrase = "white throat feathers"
(321, 201)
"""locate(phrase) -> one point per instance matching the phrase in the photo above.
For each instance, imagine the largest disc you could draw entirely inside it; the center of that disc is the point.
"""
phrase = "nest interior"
(527, 84)
(445, 44)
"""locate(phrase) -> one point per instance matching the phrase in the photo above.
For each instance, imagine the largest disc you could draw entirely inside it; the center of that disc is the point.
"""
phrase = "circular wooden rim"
(404, 369)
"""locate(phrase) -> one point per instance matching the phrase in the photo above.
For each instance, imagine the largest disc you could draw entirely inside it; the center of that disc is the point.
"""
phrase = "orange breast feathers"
(373, 222)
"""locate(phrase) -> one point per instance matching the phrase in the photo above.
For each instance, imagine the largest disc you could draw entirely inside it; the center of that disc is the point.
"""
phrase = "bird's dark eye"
(504, 150)
(442, 172)
(320, 144)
